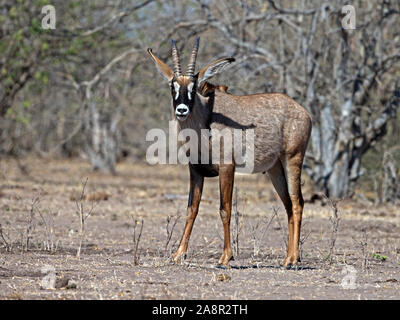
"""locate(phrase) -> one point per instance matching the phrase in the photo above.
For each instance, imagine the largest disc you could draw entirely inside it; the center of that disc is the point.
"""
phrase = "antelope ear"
(213, 68)
(161, 66)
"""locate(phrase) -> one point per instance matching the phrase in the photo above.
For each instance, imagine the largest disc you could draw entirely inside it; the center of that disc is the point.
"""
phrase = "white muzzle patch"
(182, 111)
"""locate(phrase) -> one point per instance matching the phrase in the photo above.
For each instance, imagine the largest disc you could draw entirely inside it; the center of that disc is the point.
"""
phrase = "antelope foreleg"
(196, 189)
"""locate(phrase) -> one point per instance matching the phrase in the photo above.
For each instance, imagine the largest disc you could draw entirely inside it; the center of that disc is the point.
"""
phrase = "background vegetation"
(88, 88)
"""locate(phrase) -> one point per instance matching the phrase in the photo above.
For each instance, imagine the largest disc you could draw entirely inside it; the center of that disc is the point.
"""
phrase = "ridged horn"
(175, 59)
(192, 62)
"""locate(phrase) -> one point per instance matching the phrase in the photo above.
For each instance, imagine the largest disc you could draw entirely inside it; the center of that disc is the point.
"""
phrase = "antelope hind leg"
(277, 175)
(292, 168)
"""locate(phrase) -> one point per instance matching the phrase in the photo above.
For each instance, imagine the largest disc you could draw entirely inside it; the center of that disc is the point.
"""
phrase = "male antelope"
(281, 131)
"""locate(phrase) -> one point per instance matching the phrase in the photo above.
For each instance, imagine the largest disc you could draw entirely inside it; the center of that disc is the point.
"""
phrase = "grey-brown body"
(280, 124)
(281, 130)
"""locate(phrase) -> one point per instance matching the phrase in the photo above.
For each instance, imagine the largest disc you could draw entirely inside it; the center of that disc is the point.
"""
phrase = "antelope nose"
(182, 110)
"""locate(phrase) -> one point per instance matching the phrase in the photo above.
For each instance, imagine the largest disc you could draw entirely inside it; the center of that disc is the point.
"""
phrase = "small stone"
(223, 277)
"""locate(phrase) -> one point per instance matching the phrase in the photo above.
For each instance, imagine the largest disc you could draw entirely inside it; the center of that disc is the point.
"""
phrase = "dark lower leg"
(196, 188)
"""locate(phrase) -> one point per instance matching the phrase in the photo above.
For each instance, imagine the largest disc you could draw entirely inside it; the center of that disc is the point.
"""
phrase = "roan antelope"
(281, 132)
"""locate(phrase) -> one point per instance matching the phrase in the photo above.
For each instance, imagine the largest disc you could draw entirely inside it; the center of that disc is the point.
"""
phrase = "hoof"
(291, 263)
(178, 258)
(224, 261)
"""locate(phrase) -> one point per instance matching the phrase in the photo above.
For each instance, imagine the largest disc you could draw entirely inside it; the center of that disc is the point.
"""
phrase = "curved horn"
(192, 62)
(175, 59)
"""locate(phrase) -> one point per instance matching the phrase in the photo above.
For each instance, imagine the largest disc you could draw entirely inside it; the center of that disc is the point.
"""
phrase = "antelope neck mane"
(207, 88)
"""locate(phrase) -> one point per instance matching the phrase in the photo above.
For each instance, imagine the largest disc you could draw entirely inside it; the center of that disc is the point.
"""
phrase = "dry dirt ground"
(40, 235)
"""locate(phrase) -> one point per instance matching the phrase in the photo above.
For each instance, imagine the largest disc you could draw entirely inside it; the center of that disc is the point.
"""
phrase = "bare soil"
(40, 231)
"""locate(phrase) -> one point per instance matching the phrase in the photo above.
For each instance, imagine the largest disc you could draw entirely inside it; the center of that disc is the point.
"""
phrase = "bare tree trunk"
(100, 136)
(335, 162)
(390, 180)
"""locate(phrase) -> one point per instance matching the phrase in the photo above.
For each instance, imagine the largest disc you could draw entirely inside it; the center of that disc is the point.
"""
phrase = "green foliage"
(42, 77)
(13, 13)
(36, 27)
(379, 256)
(41, 3)
(26, 104)
(19, 117)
